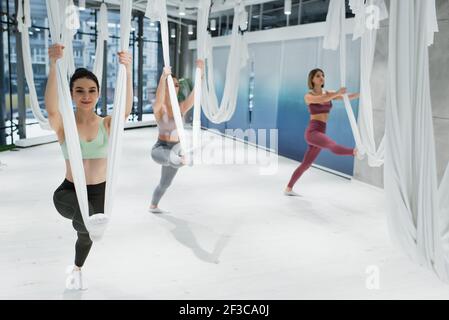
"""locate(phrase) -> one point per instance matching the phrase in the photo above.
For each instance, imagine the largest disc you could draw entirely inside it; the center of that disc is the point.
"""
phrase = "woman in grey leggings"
(166, 151)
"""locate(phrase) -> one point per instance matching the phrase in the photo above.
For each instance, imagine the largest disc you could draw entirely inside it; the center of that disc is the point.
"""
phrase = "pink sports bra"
(167, 126)
(316, 108)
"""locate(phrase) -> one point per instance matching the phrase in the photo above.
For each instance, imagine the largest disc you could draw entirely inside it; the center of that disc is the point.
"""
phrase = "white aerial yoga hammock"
(205, 96)
(418, 213)
(238, 57)
(336, 37)
(418, 210)
(24, 23)
(157, 11)
(62, 31)
(118, 115)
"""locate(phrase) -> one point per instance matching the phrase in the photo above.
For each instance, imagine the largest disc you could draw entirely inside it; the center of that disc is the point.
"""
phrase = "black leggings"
(66, 203)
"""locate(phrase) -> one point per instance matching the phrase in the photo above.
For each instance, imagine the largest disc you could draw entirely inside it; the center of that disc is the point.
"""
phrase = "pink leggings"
(316, 138)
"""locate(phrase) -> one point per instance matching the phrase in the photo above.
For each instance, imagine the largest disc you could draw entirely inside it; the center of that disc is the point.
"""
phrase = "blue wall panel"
(267, 62)
(293, 116)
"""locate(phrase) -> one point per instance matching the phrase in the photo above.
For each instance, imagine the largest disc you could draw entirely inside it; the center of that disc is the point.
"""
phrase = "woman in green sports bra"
(94, 135)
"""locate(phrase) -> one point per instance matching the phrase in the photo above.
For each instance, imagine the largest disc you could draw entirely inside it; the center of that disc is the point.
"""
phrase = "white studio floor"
(230, 234)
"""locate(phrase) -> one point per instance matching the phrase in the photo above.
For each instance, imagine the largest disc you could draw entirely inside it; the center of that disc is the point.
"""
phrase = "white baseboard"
(36, 141)
(140, 124)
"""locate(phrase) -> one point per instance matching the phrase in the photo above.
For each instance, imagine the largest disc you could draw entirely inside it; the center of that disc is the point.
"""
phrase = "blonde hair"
(311, 76)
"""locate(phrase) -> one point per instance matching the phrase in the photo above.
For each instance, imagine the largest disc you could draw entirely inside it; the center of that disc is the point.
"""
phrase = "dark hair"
(83, 73)
(312, 75)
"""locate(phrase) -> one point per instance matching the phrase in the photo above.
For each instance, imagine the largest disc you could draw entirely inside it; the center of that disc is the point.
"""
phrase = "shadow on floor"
(72, 294)
(185, 236)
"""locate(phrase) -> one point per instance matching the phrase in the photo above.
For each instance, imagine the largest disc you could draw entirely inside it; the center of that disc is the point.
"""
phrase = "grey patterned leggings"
(166, 154)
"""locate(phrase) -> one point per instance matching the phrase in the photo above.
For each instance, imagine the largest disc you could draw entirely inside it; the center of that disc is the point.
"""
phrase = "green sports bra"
(95, 149)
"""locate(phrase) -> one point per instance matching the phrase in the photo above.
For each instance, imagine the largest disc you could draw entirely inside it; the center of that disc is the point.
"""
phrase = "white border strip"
(37, 141)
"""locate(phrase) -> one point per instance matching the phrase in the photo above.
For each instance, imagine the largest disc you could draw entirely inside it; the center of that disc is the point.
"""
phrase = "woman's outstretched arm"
(351, 96)
(160, 91)
(328, 96)
(126, 59)
(55, 53)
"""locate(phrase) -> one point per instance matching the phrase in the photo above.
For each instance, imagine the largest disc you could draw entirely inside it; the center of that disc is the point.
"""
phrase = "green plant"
(7, 147)
(185, 87)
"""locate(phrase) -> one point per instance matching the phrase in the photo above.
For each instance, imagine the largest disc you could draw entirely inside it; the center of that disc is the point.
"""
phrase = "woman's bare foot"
(155, 209)
(289, 192)
(75, 279)
(358, 155)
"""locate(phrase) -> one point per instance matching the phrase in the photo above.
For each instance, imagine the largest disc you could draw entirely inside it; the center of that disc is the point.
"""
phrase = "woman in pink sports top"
(320, 104)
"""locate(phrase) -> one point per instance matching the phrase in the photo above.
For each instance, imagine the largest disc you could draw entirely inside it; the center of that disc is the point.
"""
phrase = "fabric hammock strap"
(196, 139)
(238, 56)
(157, 11)
(417, 213)
(336, 18)
(118, 115)
(335, 36)
(24, 23)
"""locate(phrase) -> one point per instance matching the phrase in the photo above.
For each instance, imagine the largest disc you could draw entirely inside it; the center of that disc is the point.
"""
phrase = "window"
(84, 46)
(151, 64)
